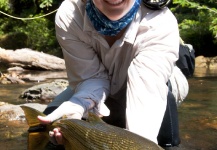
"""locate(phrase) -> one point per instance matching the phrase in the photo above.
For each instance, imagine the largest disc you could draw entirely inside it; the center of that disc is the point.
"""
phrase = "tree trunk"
(29, 59)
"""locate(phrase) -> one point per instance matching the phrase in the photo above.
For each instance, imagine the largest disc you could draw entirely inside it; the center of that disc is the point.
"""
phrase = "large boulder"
(45, 92)
(12, 112)
(206, 62)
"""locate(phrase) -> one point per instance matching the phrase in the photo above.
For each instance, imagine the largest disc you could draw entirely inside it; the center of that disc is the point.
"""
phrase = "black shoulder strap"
(156, 4)
(186, 61)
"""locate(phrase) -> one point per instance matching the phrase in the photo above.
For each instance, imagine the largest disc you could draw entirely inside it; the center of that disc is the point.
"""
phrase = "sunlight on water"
(197, 115)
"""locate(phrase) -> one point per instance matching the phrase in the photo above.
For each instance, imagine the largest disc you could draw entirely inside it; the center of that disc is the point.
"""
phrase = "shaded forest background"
(197, 23)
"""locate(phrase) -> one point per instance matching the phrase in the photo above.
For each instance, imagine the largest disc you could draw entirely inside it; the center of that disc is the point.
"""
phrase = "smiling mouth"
(117, 2)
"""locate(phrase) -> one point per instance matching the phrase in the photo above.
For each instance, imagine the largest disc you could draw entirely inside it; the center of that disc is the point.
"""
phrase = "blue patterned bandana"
(106, 26)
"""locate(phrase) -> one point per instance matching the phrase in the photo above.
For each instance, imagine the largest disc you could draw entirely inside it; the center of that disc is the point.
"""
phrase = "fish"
(90, 134)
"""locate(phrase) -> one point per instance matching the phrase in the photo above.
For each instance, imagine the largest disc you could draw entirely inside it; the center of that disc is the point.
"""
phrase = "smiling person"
(120, 57)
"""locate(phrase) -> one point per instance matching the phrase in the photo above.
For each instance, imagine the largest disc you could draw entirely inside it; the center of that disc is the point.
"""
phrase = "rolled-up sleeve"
(149, 72)
(86, 74)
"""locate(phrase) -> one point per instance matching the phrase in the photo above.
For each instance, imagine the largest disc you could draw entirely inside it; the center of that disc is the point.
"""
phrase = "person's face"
(114, 9)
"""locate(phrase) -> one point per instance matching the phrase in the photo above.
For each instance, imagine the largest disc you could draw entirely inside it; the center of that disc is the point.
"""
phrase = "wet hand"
(67, 109)
(47, 119)
(44, 120)
(56, 136)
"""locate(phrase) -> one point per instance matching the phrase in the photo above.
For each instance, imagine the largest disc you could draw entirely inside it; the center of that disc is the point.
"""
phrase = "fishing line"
(28, 18)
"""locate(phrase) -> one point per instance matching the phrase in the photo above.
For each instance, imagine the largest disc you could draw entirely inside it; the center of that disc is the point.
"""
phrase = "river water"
(197, 115)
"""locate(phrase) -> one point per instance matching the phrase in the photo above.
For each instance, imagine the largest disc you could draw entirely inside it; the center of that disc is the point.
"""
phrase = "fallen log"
(30, 59)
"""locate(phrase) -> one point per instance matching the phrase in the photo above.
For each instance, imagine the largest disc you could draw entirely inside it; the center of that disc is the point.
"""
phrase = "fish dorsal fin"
(93, 118)
(31, 115)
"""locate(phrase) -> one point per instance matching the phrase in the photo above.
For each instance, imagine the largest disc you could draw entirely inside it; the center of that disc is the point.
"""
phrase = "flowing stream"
(197, 115)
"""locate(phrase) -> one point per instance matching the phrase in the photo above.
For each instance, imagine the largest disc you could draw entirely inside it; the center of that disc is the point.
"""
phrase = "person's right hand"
(69, 110)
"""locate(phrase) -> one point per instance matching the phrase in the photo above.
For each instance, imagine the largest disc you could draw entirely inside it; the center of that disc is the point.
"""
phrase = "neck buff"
(106, 26)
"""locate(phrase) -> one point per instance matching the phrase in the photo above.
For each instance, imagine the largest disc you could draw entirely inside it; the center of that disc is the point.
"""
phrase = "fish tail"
(37, 133)
(31, 115)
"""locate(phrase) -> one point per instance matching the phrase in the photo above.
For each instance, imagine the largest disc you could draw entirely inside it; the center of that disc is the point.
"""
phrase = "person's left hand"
(56, 136)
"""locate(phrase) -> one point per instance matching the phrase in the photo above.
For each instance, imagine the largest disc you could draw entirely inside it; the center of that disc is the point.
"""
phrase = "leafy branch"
(46, 3)
(186, 3)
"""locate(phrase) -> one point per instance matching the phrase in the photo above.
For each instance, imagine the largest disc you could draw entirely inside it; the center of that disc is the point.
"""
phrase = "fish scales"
(93, 134)
(73, 134)
(103, 136)
(88, 132)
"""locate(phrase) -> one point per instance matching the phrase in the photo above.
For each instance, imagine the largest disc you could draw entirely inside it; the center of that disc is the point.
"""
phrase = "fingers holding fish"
(67, 109)
(44, 120)
(52, 138)
(51, 134)
(92, 134)
(56, 136)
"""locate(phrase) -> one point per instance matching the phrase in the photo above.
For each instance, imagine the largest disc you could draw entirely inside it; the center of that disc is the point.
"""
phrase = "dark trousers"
(169, 132)
(168, 135)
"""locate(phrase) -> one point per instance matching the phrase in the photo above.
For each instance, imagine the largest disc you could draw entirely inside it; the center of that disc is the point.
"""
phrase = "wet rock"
(20, 77)
(20, 69)
(38, 76)
(45, 92)
(8, 78)
(200, 62)
(206, 62)
(12, 112)
(2, 103)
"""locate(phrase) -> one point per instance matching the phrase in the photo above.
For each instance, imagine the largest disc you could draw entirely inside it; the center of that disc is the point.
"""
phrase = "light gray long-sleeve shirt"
(143, 59)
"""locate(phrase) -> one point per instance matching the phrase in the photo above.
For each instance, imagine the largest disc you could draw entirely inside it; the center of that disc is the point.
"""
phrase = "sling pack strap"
(186, 61)
(156, 4)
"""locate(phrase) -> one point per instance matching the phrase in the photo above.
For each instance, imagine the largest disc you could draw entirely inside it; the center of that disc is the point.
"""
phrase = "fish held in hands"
(92, 134)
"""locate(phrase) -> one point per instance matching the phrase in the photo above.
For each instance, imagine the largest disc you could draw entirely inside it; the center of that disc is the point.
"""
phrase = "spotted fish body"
(94, 134)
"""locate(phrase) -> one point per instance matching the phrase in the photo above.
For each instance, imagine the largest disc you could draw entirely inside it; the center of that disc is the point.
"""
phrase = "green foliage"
(205, 12)
(40, 36)
(4, 5)
(37, 34)
(198, 23)
(14, 40)
(46, 3)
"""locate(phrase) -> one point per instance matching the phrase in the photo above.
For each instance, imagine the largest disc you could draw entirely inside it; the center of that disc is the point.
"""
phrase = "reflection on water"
(10, 93)
(204, 72)
(197, 115)
(13, 135)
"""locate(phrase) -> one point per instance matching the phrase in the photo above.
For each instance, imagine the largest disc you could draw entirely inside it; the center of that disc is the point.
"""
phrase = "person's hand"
(67, 109)
(56, 136)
